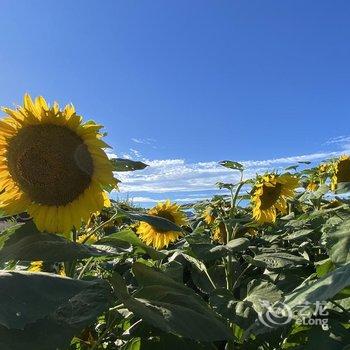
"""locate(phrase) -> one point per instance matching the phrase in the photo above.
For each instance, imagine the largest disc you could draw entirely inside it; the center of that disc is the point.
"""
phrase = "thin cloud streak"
(186, 182)
(176, 175)
(147, 141)
(178, 200)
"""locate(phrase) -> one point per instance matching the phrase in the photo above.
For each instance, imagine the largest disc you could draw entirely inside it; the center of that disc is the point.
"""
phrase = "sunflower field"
(265, 265)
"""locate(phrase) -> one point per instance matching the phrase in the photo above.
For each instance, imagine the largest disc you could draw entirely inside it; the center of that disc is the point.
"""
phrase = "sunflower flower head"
(323, 168)
(41, 266)
(209, 215)
(312, 185)
(219, 233)
(340, 171)
(156, 237)
(87, 238)
(36, 266)
(269, 196)
(52, 165)
(318, 177)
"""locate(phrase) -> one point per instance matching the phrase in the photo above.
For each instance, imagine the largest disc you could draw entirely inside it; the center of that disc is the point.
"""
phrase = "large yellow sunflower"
(52, 165)
(156, 237)
(340, 171)
(270, 195)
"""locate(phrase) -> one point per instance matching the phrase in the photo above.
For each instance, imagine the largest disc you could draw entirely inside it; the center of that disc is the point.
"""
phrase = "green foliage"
(122, 165)
(156, 221)
(171, 306)
(36, 306)
(28, 244)
(232, 165)
(213, 289)
(337, 241)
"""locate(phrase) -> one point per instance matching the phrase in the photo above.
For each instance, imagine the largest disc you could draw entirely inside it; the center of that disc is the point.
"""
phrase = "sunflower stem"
(230, 234)
(99, 227)
(74, 234)
(230, 344)
(239, 278)
(232, 197)
(340, 307)
(69, 268)
(99, 340)
(83, 270)
(236, 194)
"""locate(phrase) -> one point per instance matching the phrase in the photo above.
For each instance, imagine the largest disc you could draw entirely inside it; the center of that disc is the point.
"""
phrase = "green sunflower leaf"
(171, 306)
(128, 236)
(343, 187)
(44, 311)
(291, 167)
(120, 164)
(25, 242)
(337, 241)
(280, 260)
(324, 288)
(237, 244)
(156, 221)
(232, 165)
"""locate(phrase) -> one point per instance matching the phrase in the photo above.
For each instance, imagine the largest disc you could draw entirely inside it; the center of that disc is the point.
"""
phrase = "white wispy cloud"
(135, 153)
(144, 200)
(177, 175)
(172, 177)
(290, 160)
(131, 154)
(342, 141)
(146, 141)
(110, 153)
(187, 199)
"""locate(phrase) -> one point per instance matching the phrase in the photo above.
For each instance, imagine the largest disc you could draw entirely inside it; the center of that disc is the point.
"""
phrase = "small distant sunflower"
(86, 238)
(208, 215)
(312, 186)
(52, 165)
(323, 168)
(41, 266)
(219, 233)
(36, 266)
(156, 237)
(340, 171)
(318, 177)
(270, 195)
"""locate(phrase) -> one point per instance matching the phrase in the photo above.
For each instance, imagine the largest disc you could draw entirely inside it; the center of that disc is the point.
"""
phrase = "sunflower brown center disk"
(50, 163)
(165, 215)
(343, 174)
(270, 196)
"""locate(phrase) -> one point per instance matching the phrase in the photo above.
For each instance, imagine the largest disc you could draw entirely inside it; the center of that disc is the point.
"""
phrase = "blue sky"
(186, 83)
